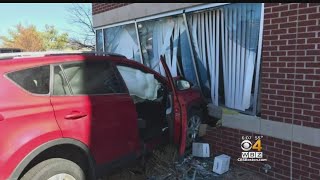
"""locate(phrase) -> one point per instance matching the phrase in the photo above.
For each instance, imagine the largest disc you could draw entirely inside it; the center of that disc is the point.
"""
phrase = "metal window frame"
(138, 39)
(258, 63)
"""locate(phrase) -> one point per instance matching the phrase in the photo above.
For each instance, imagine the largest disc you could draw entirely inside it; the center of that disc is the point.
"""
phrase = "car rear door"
(92, 105)
(180, 112)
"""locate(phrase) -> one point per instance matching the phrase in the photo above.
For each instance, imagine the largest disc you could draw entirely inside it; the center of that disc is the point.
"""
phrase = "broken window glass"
(167, 36)
(122, 40)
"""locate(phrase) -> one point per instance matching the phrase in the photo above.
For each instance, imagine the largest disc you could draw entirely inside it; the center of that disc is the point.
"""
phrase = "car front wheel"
(55, 169)
(194, 122)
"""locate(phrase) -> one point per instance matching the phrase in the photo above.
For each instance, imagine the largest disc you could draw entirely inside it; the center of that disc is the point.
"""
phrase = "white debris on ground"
(164, 164)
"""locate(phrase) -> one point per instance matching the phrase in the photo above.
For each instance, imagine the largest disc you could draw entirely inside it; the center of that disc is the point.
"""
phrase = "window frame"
(23, 89)
(71, 92)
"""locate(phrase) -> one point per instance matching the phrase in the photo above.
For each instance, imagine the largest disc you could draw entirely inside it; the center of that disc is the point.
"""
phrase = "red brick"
(314, 16)
(288, 25)
(313, 28)
(285, 58)
(278, 53)
(306, 46)
(292, 19)
(303, 94)
(285, 104)
(289, 13)
(302, 17)
(271, 15)
(306, 58)
(267, 10)
(271, 4)
(307, 10)
(293, 6)
(277, 75)
(278, 31)
(311, 89)
(305, 71)
(313, 52)
(307, 35)
(276, 108)
(288, 36)
(287, 47)
(279, 20)
(313, 65)
(307, 23)
(280, 8)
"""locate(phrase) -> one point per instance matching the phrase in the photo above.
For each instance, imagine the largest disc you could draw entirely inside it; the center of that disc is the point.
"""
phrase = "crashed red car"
(78, 115)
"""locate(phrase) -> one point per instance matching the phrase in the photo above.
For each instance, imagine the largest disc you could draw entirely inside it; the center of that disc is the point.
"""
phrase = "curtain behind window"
(240, 34)
(205, 33)
(226, 39)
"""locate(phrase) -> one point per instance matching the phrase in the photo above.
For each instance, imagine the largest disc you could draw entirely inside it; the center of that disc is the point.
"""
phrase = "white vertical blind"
(205, 34)
(239, 46)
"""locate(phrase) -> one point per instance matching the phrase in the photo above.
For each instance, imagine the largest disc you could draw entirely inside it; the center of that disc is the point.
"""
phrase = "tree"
(28, 38)
(81, 16)
(52, 39)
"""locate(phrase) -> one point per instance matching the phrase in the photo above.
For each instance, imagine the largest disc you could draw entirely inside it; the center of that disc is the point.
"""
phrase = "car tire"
(193, 124)
(54, 169)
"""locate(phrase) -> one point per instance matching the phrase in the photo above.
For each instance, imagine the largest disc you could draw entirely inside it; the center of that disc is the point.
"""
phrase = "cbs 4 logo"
(246, 145)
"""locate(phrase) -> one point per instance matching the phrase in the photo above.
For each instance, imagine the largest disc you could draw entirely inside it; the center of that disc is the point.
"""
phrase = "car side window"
(34, 80)
(89, 77)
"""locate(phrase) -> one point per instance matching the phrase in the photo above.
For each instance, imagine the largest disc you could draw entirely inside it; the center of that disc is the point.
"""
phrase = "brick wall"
(291, 63)
(305, 161)
(102, 7)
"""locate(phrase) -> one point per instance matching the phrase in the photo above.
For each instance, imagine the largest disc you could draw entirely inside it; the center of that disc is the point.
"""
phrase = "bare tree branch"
(81, 16)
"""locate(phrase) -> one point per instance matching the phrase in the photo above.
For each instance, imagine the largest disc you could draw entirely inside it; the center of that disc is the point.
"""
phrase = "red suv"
(77, 115)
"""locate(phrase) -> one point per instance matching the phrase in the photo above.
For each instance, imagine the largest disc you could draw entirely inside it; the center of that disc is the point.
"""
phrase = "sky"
(37, 14)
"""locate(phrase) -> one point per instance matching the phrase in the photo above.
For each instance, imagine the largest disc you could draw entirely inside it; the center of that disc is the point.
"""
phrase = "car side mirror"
(183, 85)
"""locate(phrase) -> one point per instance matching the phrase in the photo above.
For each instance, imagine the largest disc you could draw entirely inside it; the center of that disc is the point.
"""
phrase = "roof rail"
(47, 53)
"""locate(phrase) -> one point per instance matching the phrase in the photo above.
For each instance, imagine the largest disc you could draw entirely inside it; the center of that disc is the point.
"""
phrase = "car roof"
(16, 61)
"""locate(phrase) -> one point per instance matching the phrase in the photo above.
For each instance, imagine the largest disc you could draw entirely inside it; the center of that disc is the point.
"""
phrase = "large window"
(222, 43)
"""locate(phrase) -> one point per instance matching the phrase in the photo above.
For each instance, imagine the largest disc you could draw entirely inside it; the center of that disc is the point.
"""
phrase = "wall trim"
(146, 11)
(280, 130)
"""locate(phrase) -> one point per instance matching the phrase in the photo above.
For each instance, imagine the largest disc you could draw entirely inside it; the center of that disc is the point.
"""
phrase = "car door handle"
(75, 115)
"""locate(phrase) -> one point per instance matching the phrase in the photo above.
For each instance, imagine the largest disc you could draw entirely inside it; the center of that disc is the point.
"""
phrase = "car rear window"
(34, 80)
